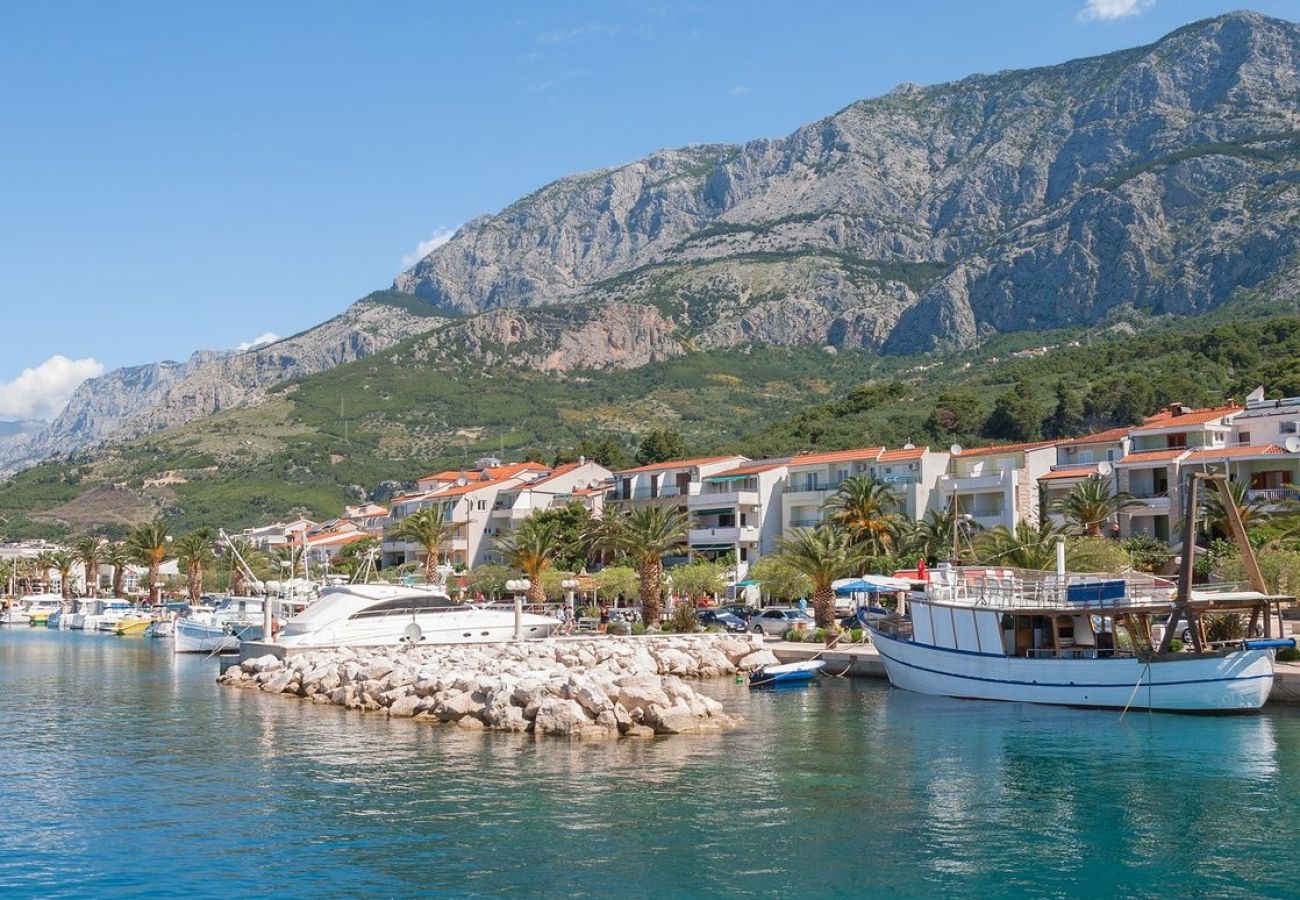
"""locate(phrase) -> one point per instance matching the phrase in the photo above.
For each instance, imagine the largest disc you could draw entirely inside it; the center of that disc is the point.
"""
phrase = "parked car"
(739, 609)
(777, 621)
(727, 620)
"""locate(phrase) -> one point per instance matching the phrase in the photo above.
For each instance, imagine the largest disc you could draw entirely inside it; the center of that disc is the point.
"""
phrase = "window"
(1288, 428)
(1243, 437)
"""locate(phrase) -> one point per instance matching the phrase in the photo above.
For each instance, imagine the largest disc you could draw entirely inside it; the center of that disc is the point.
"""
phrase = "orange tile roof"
(336, 537)
(903, 454)
(555, 473)
(1167, 418)
(754, 469)
(459, 490)
(1006, 448)
(1072, 472)
(1110, 435)
(1236, 450)
(1152, 456)
(830, 456)
(678, 464)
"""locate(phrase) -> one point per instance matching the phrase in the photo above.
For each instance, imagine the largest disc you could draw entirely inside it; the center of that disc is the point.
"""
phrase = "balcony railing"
(805, 487)
(805, 523)
(668, 491)
(1151, 494)
(1275, 495)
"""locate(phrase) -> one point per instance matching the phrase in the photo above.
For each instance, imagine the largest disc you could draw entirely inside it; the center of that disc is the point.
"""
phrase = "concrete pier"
(862, 661)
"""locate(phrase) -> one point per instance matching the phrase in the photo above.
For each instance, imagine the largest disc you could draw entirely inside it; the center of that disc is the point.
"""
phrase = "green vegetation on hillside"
(367, 427)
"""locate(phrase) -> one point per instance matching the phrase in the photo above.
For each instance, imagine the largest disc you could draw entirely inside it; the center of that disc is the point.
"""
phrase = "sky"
(214, 174)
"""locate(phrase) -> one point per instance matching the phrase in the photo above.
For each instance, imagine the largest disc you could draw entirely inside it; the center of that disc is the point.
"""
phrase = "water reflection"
(845, 788)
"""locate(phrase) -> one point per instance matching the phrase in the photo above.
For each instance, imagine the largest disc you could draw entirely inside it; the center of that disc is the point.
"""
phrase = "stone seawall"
(580, 688)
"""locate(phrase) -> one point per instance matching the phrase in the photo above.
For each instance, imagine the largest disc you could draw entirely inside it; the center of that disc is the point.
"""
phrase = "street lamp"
(518, 586)
(570, 585)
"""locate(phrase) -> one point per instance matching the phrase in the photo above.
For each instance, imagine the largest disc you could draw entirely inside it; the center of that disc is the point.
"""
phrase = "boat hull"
(132, 626)
(448, 627)
(1235, 682)
(190, 636)
(790, 673)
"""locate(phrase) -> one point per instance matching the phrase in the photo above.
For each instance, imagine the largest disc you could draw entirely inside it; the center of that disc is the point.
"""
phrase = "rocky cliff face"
(1161, 178)
(130, 402)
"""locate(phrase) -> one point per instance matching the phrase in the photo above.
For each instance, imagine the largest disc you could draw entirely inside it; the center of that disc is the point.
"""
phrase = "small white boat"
(86, 607)
(787, 673)
(109, 614)
(233, 620)
(32, 608)
(376, 615)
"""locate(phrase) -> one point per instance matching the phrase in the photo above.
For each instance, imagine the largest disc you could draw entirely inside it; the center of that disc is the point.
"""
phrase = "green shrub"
(638, 628)
(1224, 627)
(794, 634)
(685, 619)
(855, 635)
(1175, 645)
(1289, 654)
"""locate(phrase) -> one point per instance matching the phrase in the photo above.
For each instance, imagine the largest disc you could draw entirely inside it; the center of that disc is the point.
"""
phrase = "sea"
(126, 771)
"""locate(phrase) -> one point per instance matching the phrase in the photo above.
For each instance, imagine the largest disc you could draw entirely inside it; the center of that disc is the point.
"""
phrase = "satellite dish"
(412, 634)
(1104, 468)
(955, 449)
(1293, 444)
(909, 446)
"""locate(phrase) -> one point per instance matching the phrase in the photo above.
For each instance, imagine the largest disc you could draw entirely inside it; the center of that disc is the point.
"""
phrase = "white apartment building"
(998, 485)
(1090, 456)
(911, 472)
(1150, 472)
(738, 511)
(667, 483)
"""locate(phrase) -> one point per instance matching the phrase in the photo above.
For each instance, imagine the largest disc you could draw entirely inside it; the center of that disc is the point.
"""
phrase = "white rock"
(560, 717)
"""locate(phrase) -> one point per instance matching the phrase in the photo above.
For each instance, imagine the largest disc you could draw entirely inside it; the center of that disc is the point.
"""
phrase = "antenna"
(1104, 468)
(1293, 444)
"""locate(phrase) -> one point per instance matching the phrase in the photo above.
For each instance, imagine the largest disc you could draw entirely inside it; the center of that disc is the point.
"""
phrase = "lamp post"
(517, 586)
(570, 585)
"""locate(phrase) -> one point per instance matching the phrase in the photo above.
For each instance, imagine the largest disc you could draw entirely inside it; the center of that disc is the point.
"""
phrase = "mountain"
(1161, 179)
(1127, 190)
(129, 402)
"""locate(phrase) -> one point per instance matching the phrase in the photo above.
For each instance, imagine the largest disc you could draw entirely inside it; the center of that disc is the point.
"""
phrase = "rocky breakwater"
(598, 688)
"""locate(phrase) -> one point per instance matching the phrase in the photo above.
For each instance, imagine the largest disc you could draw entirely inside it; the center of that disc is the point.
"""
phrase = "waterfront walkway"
(862, 661)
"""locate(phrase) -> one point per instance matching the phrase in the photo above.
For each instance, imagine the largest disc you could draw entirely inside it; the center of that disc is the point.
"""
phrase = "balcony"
(668, 492)
(1152, 502)
(744, 534)
(723, 499)
(806, 487)
(978, 481)
(805, 523)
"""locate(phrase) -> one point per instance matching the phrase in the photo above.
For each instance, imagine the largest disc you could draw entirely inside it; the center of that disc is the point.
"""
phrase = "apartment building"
(485, 505)
(1265, 449)
(910, 472)
(1090, 456)
(1151, 471)
(997, 485)
(667, 483)
(738, 511)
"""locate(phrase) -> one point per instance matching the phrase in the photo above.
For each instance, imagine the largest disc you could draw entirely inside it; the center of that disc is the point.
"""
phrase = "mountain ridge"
(1151, 182)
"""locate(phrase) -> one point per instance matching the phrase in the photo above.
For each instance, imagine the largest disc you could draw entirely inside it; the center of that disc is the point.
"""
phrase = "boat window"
(398, 605)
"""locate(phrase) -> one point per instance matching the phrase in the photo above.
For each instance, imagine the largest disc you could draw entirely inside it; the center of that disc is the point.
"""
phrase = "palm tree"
(88, 550)
(44, 561)
(867, 509)
(1091, 503)
(193, 552)
(62, 561)
(1251, 510)
(148, 545)
(429, 529)
(531, 548)
(822, 554)
(647, 535)
(119, 557)
(1028, 546)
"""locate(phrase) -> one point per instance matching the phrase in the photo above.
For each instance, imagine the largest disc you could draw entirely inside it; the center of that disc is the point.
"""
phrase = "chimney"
(582, 460)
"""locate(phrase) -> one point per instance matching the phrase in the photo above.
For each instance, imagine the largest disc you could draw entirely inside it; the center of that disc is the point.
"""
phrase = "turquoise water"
(128, 772)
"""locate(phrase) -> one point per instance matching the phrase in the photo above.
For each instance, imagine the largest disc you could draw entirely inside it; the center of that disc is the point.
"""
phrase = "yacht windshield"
(404, 605)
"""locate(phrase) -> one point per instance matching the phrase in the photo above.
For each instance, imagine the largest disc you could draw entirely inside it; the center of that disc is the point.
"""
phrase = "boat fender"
(1270, 644)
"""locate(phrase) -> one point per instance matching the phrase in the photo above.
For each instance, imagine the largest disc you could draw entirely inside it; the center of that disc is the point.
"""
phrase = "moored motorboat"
(787, 673)
(374, 615)
(133, 624)
(234, 619)
(105, 619)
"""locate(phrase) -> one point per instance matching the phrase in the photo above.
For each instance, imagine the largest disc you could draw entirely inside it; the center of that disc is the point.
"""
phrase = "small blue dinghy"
(788, 673)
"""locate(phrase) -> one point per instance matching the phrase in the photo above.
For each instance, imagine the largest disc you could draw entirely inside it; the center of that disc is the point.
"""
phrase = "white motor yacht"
(31, 607)
(377, 615)
(86, 607)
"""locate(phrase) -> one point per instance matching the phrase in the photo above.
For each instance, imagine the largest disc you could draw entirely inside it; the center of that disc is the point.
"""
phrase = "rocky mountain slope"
(1161, 179)
(130, 402)
(1152, 182)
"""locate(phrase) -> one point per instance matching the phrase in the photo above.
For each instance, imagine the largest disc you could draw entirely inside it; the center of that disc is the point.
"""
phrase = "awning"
(726, 510)
(748, 582)
(713, 547)
(729, 478)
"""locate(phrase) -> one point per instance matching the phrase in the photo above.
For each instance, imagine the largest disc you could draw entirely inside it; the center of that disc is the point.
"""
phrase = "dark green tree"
(572, 524)
(1016, 416)
(1066, 420)
(660, 445)
(957, 413)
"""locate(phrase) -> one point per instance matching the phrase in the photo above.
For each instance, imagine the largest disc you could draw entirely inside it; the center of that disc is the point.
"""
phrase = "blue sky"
(176, 176)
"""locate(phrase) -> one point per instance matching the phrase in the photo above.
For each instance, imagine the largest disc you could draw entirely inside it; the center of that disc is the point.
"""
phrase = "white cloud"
(740, 90)
(439, 237)
(1110, 10)
(266, 337)
(42, 392)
